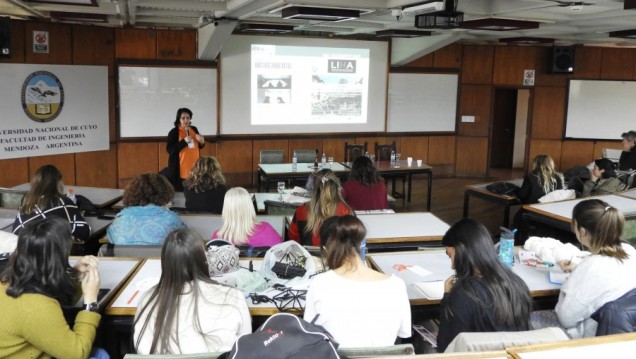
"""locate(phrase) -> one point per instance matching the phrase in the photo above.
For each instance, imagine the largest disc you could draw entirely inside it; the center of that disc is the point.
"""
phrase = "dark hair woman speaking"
(483, 295)
(183, 144)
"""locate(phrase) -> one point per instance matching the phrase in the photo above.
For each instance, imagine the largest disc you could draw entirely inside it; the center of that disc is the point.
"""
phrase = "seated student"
(146, 218)
(239, 222)
(483, 295)
(204, 189)
(45, 199)
(542, 180)
(326, 201)
(365, 190)
(600, 278)
(187, 312)
(603, 180)
(627, 160)
(37, 283)
(357, 305)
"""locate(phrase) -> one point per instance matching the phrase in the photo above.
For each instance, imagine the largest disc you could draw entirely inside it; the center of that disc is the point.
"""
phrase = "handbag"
(223, 257)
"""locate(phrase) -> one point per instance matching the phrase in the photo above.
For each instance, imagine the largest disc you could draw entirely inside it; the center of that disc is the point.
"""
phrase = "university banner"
(52, 109)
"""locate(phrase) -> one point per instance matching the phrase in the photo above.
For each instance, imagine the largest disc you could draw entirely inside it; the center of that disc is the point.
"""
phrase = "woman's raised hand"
(90, 282)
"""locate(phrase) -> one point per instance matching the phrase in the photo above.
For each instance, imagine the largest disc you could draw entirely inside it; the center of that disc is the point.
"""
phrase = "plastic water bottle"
(392, 158)
(294, 162)
(70, 194)
(507, 246)
(323, 160)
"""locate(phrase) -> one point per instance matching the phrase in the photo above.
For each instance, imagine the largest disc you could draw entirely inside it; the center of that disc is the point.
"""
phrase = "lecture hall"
(426, 178)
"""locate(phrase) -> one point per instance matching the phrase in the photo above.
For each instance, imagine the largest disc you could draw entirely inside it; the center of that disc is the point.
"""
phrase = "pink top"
(264, 236)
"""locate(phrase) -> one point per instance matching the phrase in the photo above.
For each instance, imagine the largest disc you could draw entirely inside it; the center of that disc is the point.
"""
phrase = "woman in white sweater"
(187, 312)
(357, 305)
(600, 278)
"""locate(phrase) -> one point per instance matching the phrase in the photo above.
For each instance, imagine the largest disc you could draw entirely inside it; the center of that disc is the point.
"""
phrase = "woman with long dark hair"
(365, 190)
(483, 295)
(34, 287)
(187, 312)
(343, 297)
(600, 278)
(45, 198)
(183, 144)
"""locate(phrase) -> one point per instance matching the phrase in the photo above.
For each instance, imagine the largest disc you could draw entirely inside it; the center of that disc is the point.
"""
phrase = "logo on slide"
(42, 96)
(342, 66)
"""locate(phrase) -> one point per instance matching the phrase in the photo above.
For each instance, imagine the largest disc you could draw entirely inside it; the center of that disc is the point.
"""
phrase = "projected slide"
(308, 85)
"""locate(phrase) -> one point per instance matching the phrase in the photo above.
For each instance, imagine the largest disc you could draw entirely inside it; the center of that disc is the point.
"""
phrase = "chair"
(618, 316)
(353, 151)
(138, 251)
(392, 350)
(280, 208)
(272, 156)
(612, 154)
(383, 153)
(481, 341)
(306, 156)
(10, 198)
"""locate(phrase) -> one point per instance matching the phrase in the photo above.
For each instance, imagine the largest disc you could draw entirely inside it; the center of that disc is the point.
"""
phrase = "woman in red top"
(326, 202)
(365, 190)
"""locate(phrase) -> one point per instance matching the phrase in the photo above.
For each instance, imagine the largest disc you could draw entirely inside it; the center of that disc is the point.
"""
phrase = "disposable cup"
(419, 163)
(409, 161)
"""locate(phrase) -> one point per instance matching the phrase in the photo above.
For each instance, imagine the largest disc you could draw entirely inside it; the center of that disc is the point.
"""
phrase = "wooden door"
(502, 138)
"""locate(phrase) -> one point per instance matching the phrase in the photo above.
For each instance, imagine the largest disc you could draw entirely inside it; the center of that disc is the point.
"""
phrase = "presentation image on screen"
(302, 85)
(308, 85)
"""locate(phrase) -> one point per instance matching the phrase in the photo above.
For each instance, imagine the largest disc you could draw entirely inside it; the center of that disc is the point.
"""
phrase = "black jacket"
(532, 189)
(627, 161)
(174, 146)
(618, 316)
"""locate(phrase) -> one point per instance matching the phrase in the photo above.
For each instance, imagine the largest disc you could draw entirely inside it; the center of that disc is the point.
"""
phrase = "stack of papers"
(291, 198)
(431, 290)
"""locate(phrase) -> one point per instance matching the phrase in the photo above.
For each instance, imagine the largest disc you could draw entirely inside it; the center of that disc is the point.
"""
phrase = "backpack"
(286, 336)
(503, 188)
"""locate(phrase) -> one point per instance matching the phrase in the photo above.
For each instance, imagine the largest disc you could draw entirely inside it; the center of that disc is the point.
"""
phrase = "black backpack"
(286, 336)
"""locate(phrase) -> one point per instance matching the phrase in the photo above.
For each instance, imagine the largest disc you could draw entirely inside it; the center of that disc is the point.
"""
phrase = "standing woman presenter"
(183, 145)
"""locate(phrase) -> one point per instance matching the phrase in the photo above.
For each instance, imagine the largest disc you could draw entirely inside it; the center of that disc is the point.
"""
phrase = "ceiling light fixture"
(496, 24)
(319, 14)
(266, 28)
(402, 33)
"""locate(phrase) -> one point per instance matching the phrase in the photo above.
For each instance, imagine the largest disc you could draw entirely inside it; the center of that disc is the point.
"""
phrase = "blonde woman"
(239, 222)
(204, 189)
(326, 201)
(542, 180)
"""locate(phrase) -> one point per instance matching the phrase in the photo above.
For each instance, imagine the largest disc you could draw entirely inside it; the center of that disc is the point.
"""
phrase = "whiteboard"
(422, 102)
(600, 109)
(150, 96)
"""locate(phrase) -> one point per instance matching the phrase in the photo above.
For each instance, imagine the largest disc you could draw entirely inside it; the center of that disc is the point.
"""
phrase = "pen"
(133, 296)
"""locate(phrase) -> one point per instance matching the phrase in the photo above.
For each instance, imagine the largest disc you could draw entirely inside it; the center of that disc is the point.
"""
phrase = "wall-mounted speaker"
(561, 60)
(5, 37)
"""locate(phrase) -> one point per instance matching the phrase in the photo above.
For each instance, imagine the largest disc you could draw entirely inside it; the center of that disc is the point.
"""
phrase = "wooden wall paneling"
(475, 100)
(94, 45)
(15, 171)
(617, 64)
(472, 156)
(416, 147)
(542, 75)
(162, 154)
(477, 64)
(306, 144)
(424, 61)
(576, 153)
(64, 162)
(336, 146)
(600, 145)
(548, 113)
(208, 150)
(177, 45)
(135, 43)
(134, 159)
(18, 43)
(60, 45)
(448, 57)
(510, 62)
(97, 168)
(236, 160)
(547, 147)
(587, 62)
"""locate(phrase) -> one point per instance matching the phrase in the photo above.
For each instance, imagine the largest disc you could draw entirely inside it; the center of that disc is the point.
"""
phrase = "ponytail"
(340, 239)
(605, 225)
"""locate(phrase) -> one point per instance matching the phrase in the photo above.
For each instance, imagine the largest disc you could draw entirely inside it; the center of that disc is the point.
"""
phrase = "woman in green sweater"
(36, 284)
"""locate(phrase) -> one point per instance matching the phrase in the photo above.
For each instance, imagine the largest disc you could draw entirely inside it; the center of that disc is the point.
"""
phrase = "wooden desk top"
(101, 197)
(563, 210)
(437, 263)
(610, 346)
(147, 275)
